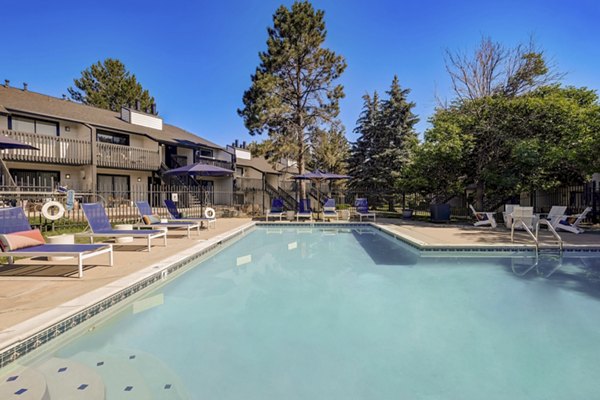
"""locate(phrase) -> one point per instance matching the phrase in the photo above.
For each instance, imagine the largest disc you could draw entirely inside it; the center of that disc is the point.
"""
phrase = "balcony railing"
(218, 163)
(117, 156)
(52, 149)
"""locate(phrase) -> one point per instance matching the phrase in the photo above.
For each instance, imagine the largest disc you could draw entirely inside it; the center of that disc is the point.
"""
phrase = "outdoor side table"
(124, 227)
(60, 239)
(290, 215)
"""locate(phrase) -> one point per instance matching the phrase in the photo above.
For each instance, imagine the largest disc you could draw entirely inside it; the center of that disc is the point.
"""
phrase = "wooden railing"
(52, 149)
(117, 156)
(218, 163)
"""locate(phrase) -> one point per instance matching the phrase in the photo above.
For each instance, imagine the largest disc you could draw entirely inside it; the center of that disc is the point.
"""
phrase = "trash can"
(440, 212)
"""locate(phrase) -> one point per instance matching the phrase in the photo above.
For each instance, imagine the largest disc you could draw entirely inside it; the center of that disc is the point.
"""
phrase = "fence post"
(594, 201)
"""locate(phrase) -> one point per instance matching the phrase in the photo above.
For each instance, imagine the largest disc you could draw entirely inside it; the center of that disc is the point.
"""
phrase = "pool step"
(52, 379)
(131, 374)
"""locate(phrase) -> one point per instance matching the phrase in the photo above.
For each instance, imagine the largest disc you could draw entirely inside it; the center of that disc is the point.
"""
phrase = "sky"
(196, 57)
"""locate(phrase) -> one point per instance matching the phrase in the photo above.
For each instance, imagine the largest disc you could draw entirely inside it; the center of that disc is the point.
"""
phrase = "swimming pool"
(328, 313)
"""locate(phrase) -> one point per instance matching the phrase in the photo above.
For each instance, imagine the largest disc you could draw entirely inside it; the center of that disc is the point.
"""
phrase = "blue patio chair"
(14, 220)
(150, 220)
(362, 209)
(276, 209)
(100, 226)
(176, 215)
(304, 210)
(329, 211)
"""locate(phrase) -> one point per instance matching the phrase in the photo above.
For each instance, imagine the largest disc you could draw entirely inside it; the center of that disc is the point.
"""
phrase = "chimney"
(64, 96)
(153, 108)
(138, 105)
(244, 144)
(24, 86)
(236, 143)
(6, 83)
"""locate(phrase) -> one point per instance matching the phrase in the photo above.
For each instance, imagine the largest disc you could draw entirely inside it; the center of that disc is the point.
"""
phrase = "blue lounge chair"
(176, 215)
(304, 210)
(14, 220)
(276, 209)
(146, 211)
(329, 209)
(362, 209)
(100, 226)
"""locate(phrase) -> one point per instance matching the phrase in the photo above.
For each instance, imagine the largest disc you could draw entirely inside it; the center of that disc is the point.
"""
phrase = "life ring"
(60, 210)
(209, 213)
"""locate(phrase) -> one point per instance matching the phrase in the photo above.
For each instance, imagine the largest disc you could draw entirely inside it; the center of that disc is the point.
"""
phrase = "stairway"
(288, 200)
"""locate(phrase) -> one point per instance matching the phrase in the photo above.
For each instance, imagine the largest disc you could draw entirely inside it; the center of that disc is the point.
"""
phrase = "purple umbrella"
(200, 170)
(9, 143)
(320, 176)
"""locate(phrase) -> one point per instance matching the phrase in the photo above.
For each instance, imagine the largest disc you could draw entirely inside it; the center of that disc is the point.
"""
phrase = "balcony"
(52, 149)
(126, 157)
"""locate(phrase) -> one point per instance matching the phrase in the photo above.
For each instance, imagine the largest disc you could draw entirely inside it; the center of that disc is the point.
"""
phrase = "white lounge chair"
(506, 214)
(522, 218)
(573, 227)
(329, 211)
(362, 209)
(484, 217)
(556, 214)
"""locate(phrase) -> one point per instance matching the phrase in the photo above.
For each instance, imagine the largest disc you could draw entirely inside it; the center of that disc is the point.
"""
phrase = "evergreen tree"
(394, 142)
(360, 162)
(293, 95)
(330, 151)
(109, 85)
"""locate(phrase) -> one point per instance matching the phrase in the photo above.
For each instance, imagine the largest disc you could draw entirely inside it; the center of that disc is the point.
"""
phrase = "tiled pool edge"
(27, 336)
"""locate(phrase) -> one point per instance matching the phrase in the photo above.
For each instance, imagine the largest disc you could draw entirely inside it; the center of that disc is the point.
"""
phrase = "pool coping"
(25, 337)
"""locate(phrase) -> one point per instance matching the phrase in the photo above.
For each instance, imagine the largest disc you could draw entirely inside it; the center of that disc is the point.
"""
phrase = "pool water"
(301, 313)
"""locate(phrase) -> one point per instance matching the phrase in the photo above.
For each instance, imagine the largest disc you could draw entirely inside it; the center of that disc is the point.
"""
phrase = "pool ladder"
(536, 236)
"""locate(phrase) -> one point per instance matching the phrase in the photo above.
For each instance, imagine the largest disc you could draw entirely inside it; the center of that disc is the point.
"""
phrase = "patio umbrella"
(320, 176)
(9, 143)
(199, 169)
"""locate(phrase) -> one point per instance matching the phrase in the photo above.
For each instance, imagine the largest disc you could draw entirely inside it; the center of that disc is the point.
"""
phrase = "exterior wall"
(142, 119)
(189, 153)
(222, 155)
(75, 180)
(139, 190)
(273, 180)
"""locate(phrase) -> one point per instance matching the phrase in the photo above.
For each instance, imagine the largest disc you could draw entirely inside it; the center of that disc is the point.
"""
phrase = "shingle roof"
(258, 163)
(13, 99)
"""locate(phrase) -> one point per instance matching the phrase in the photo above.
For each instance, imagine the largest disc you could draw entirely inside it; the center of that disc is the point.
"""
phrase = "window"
(111, 137)
(203, 153)
(31, 125)
(27, 177)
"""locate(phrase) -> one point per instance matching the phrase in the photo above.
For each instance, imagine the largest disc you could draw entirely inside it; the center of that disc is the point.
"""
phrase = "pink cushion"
(21, 240)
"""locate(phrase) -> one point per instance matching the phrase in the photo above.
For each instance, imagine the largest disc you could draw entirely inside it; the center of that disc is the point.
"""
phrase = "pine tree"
(360, 162)
(293, 95)
(109, 85)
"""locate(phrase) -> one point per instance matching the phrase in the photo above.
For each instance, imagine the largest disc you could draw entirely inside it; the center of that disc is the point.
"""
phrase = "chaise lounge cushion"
(21, 240)
(151, 219)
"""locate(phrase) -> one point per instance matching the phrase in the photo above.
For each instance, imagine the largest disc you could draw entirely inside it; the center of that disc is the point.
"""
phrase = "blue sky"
(196, 57)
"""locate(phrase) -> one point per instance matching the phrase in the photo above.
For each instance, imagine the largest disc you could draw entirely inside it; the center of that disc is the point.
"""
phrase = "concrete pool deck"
(31, 288)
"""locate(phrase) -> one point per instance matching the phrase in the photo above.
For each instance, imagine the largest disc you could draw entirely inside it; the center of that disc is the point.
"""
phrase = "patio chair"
(151, 220)
(506, 214)
(522, 218)
(329, 211)
(276, 209)
(556, 214)
(571, 224)
(100, 226)
(176, 215)
(362, 209)
(483, 217)
(304, 210)
(17, 239)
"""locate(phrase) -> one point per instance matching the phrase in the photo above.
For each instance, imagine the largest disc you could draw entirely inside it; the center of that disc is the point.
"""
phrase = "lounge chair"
(276, 209)
(100, 226)
(151, 220)
(329, 210)
(522, 218)
(176, 215)
(483, 217)
(362, 209)
(506, 214)
(573, 227)
(19, 240)
(304, 210)
(556, 214)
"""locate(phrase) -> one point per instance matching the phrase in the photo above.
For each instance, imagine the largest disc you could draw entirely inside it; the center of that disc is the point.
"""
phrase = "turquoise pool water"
(354, 314)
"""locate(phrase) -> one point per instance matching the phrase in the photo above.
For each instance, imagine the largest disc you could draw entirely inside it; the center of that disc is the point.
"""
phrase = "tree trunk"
(479, 196)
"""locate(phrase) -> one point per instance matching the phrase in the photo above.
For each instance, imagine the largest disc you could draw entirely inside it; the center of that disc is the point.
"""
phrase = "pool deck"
(30, 289)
